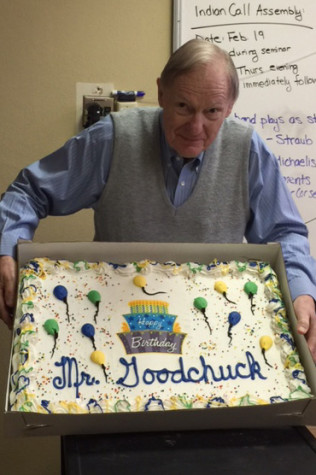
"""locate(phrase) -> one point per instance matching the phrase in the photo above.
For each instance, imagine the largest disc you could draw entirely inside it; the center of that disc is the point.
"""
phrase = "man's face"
(195, 106)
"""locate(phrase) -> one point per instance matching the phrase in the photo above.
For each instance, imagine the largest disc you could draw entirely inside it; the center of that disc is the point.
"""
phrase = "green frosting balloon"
(94, 297)
(200, 303)
(250, 288)
(51, 326)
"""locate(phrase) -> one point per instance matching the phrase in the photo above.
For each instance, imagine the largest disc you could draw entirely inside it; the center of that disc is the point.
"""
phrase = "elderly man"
(184, 172)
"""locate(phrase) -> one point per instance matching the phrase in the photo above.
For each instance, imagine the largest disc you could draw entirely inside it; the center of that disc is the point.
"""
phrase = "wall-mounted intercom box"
(95, 107)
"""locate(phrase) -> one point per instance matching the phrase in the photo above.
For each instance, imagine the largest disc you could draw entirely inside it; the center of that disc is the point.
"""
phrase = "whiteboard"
(273, 46)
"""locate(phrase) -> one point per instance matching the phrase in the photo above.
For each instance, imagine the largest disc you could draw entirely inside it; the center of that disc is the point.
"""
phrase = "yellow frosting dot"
(220, 286)
(224, 269)
(266, 342)
(98, 357)
(143, 264)
(139, 281)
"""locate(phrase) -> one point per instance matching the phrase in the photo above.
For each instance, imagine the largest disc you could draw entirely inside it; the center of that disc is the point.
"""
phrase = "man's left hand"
(304, 307)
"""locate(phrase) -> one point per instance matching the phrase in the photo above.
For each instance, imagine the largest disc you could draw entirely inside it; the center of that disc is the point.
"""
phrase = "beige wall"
(46, 47)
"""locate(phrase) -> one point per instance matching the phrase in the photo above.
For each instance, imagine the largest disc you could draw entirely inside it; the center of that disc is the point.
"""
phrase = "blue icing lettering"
(205, 373)
(134, 379)
(190, 378)
(252, 369)
(178, 376)
(162, 376)
(72, 377)
(151, 374)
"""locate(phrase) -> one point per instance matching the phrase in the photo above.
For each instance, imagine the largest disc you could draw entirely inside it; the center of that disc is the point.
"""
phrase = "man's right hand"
(8, 283)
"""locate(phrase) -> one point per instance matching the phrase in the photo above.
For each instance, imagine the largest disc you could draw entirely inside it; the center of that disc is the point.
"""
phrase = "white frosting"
(211, 356)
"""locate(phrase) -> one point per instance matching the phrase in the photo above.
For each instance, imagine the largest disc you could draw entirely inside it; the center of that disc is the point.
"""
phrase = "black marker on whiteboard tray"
(127, 96)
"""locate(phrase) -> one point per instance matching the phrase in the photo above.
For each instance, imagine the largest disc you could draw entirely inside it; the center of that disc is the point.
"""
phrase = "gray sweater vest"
(135, 206)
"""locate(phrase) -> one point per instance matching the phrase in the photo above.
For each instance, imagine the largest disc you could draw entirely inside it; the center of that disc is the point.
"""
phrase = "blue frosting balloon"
(60, 292)
(88, 330)
(234, 318)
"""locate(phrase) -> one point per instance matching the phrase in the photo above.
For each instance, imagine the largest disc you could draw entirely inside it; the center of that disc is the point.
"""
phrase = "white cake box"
(299, 412)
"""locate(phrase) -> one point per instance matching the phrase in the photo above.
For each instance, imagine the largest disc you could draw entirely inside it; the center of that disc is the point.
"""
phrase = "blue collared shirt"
(180, 175)
(73, 178)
